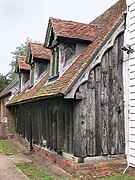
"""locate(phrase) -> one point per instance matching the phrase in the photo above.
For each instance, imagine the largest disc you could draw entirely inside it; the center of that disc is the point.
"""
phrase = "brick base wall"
(95, 169)
(3, 130)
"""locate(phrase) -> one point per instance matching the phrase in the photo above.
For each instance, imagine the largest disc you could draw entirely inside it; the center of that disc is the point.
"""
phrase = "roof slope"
(75, 30)
(7, 89)
(29, 94)
(38, 51)
(105, 25)
(22, 65)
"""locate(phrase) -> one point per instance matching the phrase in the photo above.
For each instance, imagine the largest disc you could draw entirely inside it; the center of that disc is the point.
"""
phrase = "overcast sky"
(20, 19)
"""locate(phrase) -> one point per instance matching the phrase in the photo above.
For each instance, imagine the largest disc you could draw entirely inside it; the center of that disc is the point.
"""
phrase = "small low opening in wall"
(59, 153)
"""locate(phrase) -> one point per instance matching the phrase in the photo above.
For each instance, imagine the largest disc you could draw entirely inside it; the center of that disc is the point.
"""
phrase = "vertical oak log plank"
(43, 124)
(50, 123)
(76, 138)
(70, 111)
(82, 119)
(66, 141)
(60, 128)
(104, 103)
(47, 125)
(113, 95)
(121, 125)
(90, 132)
(54, 127)
(98, 134)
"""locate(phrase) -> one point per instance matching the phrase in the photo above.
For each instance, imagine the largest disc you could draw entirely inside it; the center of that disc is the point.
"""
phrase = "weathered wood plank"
(60, 128)
(90, 128)
(104, 103)
(70, 111)
(113, 96)
(66, 127)
(76, 137)
(98, 134)
(121, 124)
(54, 128)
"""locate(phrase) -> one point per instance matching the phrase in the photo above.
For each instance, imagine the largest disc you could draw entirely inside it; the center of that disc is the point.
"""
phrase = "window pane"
(42, 67)
(69, 52)
(57, 60)
(26, 77)
(53, 62)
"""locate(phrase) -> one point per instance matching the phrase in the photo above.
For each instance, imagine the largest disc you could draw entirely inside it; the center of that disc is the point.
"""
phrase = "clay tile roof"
(106, 24)
(29, 94)
(38, 51)
(22, 65)
(72, 29)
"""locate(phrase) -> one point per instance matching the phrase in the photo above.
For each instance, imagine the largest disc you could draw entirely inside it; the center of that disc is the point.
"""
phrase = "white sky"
(20, 19)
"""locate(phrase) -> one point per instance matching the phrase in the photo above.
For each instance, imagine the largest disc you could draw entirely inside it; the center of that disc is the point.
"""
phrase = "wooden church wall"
(99, 113)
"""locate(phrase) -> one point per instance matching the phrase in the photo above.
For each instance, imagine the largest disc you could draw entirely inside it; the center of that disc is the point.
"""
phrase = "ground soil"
(26, 156)
(9, 171)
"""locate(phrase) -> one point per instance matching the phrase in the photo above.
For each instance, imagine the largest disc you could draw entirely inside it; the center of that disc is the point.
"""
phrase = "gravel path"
(8, 171)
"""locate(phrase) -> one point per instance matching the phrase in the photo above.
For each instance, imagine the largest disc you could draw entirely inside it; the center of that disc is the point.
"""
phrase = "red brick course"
(94, 169)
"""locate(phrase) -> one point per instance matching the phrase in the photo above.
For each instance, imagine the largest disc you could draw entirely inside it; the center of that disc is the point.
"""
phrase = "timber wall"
(50, 122)
(91, 125)
(99, 110)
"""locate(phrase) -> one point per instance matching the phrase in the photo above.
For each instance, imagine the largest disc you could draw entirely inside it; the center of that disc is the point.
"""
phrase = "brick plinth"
(94, 169)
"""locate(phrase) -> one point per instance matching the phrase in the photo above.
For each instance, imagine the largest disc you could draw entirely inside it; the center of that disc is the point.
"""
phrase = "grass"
(6, 148)
(33, 172)
(119, 177)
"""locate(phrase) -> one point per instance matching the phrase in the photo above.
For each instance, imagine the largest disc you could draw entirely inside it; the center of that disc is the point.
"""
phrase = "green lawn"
(6, 148)
(33, 172)
(119, 177)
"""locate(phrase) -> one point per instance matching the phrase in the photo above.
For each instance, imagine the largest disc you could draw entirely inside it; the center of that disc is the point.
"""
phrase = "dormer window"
(23, 70)
(66, 40)
(39, 59)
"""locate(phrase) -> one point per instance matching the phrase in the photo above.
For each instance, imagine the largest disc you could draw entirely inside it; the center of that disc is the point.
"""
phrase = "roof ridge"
(70, 21)
(37, 43)
(107, 23)
(110, 8)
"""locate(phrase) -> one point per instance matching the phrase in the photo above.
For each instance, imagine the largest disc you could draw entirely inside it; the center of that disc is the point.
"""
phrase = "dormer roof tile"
(106, 25)
(39, 51)
(22, 65)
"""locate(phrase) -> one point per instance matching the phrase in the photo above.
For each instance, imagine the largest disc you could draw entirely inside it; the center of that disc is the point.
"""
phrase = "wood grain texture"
(101, 107)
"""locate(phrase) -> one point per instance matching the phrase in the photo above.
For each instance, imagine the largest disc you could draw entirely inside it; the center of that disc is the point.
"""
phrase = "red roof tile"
(72, 30)
(106, 24)
(39, 51)
(28, 94)
(22, 65)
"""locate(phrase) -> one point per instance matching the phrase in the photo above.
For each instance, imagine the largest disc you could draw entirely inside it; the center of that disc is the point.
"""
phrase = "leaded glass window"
(69, 52)
(42, 67)
(26, 77)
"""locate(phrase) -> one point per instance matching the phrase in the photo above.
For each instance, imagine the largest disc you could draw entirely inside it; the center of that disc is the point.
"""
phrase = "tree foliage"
(20, 51)
(3, 82)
